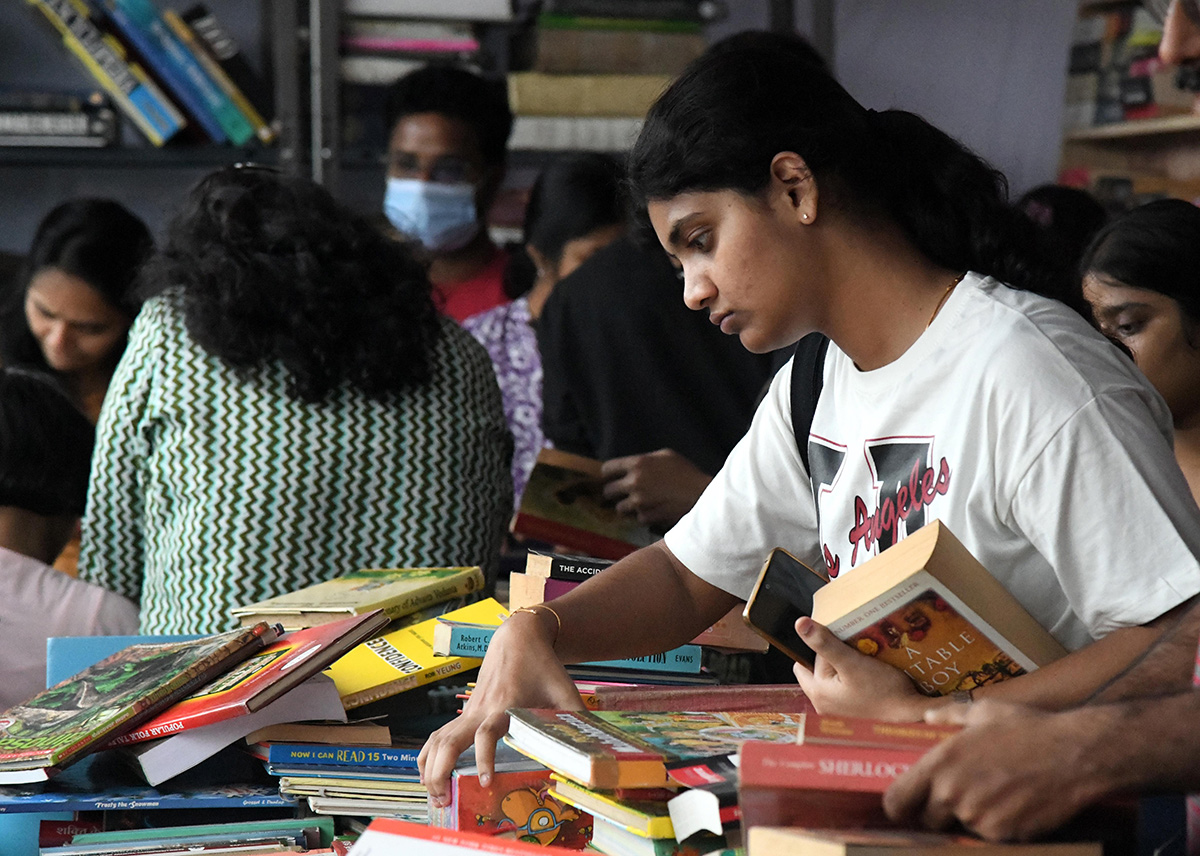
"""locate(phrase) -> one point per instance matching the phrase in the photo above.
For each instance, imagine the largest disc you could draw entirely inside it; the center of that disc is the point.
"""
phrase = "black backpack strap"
(808, 376)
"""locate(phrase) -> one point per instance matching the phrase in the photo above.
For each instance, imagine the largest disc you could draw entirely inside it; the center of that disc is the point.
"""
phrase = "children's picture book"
(564, 566)
(166, 757)
(85, 712)
(779, 841)
(564, 504)
(648, 818)
(267, 676)
(787, 698)
(927, 607)
(397, 591)
(630, 749)
(403, 659)
(518, 803)
(351, 757)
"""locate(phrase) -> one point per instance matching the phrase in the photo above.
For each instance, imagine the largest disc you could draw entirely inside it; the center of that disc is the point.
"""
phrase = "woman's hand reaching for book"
(520, 670)
(845, 682)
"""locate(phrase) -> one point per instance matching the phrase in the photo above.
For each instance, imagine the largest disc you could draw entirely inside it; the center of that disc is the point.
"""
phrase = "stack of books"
(162, 69)
(624, 768)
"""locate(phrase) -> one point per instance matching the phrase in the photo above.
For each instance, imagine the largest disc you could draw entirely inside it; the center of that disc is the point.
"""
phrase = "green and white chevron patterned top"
(212, 488)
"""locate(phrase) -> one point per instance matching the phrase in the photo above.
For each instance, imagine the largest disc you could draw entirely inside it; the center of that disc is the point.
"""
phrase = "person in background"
(575, 207)
(1141, 277)
(448, 132)
(77, 298)
(1016, 773)
(291, 407)
(1065, 219)
(45, 454)
(792, 209)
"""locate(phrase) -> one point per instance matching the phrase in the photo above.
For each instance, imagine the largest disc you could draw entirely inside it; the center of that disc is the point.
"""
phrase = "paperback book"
(927, 607)
(403, 659)
(397, 591)
(300, 755)
(85, 712)
(562, 566)
(627, 749)
(564, 504)
(778, 841)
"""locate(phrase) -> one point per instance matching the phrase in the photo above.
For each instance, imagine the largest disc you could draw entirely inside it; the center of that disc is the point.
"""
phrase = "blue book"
(465, 639)
(140, 22)
(319, 755)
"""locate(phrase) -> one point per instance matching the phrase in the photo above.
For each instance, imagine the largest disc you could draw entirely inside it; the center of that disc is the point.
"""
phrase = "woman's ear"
(791, 178)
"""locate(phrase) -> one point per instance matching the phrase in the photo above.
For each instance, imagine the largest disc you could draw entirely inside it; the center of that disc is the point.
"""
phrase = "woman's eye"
(700, 241)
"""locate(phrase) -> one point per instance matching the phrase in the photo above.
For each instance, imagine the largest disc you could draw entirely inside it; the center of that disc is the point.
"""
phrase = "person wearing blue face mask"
(446, 158)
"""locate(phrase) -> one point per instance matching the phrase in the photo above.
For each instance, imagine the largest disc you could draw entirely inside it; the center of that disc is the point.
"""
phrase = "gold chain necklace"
(945, 296)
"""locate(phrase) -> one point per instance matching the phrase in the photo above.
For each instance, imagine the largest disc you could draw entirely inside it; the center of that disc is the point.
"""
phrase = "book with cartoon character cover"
(927, 607)
(83, 713)
(397, 591)
(631, 749)
(564, 504)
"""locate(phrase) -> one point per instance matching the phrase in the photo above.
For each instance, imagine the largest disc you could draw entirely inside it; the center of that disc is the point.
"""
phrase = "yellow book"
(532, 93)
(926, 606)
(397, 591)
(404, 658)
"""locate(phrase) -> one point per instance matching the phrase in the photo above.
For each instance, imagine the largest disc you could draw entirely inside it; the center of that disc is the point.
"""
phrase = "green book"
(62, 724)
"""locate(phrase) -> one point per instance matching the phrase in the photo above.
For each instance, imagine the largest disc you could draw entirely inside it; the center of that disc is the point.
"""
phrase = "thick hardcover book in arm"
(397, 591)
(927, 607)
(85, 712)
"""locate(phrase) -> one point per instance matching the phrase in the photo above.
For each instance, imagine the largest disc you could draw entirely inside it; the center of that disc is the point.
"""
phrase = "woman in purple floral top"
(575, 208)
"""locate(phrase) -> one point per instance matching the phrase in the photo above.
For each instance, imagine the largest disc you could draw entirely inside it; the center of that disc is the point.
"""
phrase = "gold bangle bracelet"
(532, 610)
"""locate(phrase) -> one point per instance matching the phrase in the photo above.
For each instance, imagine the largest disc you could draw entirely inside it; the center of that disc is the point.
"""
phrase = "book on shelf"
(166, 757)
(564, 501)
(782, 841)
(516, 802)
(57, 120)
(696, 11)
(62, 724)
(262, 128)
(446, 10)
(559, 48)
(563, 566)
(397, 591)
(254, 684)
(118, 74)
(224, 48)
(141, 25)
(402, 660)
(532, 93)
(580, 133)
(630, 749)
(386, 836)
(926, 606)
(400, 36)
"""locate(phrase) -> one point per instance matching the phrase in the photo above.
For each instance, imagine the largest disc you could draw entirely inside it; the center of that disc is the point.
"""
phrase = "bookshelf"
(1125, 161)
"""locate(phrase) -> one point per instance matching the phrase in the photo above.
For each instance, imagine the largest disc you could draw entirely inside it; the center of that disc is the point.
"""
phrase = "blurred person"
(291, 407)
(575, 207)
(448, 130)
(77, 296)
(45, 454)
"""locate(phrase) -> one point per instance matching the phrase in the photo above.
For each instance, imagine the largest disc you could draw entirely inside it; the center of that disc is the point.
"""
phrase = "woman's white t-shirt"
(1037, 443)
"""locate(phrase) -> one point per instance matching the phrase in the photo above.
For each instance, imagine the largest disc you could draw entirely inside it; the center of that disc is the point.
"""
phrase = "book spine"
(74, 128)
(559, 21)
(435, 593)
(682, 10)
(456, 10)
(823, 767)
(307, 754)
(394, 44)
(574, 569)
(141, 23)
(408, 682)
(549, 136)
(124, 80)
(183, 32)
(225, 50)
(683, 660)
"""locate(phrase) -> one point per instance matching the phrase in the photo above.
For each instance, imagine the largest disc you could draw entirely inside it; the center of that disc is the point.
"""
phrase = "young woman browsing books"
(790, 209)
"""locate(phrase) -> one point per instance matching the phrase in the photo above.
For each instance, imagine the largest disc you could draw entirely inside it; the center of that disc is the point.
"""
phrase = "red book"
(389, 837)
(281, 666)
(848, 731)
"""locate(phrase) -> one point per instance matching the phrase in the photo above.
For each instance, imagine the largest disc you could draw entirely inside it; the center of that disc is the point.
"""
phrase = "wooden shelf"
(122, 157)
(1140, 128)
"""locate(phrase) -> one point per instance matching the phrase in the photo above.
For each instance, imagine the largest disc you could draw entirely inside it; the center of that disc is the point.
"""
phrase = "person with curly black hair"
(448, 132)
(290, 407)
(76, 296)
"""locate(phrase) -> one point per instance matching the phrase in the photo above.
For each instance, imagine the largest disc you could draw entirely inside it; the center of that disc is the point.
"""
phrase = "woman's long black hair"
(718, 126)
(273, 269)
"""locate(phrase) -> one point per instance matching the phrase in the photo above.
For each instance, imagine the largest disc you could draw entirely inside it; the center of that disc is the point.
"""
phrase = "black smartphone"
(783, 593)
